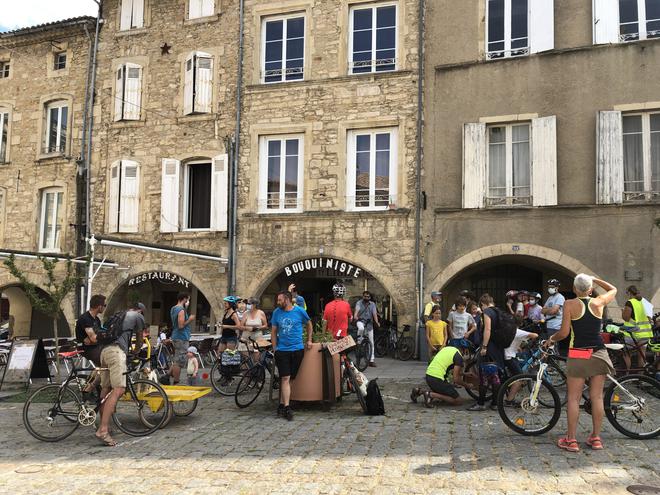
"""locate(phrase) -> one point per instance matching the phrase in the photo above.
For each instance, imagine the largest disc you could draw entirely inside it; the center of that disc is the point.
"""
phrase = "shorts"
(288, 362)
(181, 352)
(229, 340)
(441, 387)
(643, 341)
(512, 366)
(114, 359)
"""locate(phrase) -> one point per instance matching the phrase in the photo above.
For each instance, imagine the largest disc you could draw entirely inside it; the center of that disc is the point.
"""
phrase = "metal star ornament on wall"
(165, 49)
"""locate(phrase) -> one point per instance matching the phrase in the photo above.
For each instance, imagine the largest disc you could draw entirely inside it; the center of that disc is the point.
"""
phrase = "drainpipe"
(233, 196)
(90, 127)
(418, 186)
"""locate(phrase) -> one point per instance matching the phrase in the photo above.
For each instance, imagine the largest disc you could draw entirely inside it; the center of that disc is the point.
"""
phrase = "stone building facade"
(328, 146)
(542, 131)
(43, 74)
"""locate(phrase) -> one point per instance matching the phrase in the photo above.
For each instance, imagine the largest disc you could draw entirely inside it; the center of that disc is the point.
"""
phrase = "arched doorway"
(158, 291)
(17, 312)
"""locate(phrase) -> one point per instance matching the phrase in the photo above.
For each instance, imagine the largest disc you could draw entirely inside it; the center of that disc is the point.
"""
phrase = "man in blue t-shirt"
(180, 334)
(287, 338)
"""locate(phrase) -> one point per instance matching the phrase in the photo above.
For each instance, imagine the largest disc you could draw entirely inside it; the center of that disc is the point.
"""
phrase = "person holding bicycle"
(587, 356)
(337, 313)
(366, 315)
(449, 359)
(88, 325)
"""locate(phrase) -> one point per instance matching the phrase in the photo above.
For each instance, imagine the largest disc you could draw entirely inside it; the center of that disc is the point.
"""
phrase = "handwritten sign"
(340, 345)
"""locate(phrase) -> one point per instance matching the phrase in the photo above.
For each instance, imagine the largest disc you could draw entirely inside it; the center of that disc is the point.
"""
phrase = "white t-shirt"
(460, 323)
(553, 322)
(511, 351)
(648, 307)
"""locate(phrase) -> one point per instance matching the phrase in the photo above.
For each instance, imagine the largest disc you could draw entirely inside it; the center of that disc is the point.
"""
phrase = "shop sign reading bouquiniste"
(164, 277)
(323, 263)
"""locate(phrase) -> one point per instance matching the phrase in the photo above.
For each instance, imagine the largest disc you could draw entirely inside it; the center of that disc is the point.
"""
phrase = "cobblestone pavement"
(221, 449)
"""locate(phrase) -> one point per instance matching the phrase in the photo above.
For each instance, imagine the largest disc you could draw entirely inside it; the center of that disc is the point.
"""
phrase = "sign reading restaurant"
(341, 267)
(164, 277)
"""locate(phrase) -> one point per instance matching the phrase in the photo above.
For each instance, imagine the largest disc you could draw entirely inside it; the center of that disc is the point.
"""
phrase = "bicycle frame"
(533, 396)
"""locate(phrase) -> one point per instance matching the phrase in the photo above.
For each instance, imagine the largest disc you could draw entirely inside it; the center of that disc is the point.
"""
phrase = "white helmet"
(338, 290)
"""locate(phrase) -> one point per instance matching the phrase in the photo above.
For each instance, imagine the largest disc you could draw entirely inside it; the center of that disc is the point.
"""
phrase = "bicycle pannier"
(374, 399)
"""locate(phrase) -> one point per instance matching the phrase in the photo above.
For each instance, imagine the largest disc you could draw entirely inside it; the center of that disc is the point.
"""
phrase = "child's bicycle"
(530, 405)
(251, 382)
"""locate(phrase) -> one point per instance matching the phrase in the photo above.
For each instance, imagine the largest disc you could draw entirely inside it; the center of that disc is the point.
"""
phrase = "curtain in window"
(497, 162)
(51, 223)
(520, 156)
(655, 152)
(362, 169)
(199, 196)
(633, 155)
(274, 160)
(382, 187)
(291, 174)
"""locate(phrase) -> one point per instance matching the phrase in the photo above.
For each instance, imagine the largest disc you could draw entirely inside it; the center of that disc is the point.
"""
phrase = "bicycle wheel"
(381, 345)
(222, 382)
(354, 385)
(51, 413)
(250, 386)
(142, 409)
(472, 367)
(405, 348)
(362, 354)
(184, 407)
(519, 414)
(633, 406)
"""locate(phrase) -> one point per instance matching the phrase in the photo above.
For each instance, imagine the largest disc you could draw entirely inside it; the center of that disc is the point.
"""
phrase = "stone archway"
(28, 322)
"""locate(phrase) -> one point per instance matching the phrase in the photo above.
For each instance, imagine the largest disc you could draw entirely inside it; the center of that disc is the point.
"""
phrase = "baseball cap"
(140, 306)
(192, 349)
(436, 293)
(300, 300)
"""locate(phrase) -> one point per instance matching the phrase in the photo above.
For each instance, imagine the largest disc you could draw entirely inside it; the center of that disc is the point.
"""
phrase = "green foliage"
(319, 336)
(133, 297)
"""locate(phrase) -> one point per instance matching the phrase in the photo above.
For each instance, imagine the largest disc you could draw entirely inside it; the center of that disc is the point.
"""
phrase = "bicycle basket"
(230, 358)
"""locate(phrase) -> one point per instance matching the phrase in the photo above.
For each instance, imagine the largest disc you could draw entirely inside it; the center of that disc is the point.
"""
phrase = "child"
(512, 364)
(193, 365)
(461, 325)
(534, 312)
(436, 332)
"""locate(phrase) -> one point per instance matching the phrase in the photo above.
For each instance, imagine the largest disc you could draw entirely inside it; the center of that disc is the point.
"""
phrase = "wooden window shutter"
(606, 21)
(219, 193)
(609, 158)
(544, 161)
(169, 196)
(129, 198)
(541, 25)
(113, 198)
(474, 165)
(188, 89)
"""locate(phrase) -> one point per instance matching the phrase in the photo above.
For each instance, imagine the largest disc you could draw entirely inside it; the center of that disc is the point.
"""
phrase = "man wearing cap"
(113, 357)
(436, 299)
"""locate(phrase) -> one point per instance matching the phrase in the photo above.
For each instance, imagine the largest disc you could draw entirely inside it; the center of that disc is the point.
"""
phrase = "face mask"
(552, 290)
(532, 301)
(249, 307)
(186, 304)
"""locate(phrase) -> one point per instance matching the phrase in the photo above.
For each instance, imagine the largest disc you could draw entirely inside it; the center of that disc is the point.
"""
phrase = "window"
(128, 92)
(372, 167)
(641, 156)
(508, 34)
(200, 8)
(57, 114)
(4, 135)
(639, 19)
(281, 174)
(4, 69)
(203, 202)
(123, 200)
(59, 61)
(372, 43)
(284, 49)
(132, 14)
(509, 165)
(198, 84)
(51, 220)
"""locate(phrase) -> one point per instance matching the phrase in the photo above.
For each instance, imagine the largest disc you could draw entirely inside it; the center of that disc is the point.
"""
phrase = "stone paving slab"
(412, 449)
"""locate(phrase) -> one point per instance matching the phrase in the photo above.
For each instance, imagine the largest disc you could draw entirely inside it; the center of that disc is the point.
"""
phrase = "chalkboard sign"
(26, 360)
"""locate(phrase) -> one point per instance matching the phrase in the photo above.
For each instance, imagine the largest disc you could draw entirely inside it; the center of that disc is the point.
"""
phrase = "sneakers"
(288, 413)
(372, 364)
(280, 410)
(414, 394)
(493, 407)
(427, 399)
(477, 407)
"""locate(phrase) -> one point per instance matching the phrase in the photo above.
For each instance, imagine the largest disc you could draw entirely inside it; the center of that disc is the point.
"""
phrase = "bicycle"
(362, 351)
(225, 375)
(395, 343)
(630, 402)
(349, 382)
(621, 351)
(53, 412)
(252, 381)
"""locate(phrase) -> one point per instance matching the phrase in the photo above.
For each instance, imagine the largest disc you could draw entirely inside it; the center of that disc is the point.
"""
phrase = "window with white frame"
(281, 173)
(373, 38)
(639, 19)
(200, 8)
(132, 14)
(283, 50)
(198, 83)
(4, 69)
(57, 114)
(197, 196)
(124, 196)
(509, 165)
(372, 169)
(128, 92)
(641, 156)
(59, 61)
(508, 28)
(51, 219)
(4, 135)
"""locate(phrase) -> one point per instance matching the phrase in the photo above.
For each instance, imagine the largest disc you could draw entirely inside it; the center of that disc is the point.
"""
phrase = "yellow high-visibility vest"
(639, 323)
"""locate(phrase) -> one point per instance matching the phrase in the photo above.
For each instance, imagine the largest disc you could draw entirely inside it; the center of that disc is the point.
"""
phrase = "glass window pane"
(291, 173)
(52, 130)
(518, 19)
(386, 16)
(59, 215)
(521, 161)
(63, 127)
(496, 135)
(495, 20)
(4, 130)
(47, 221)
(294, 50)
(274, 30)
(655, 161)
(653, 29)
(273, 51)
(633, 159)
(497, 162)
(386, 38)
(632, 123)
(628, 11)
(362, 175)
(655, 122)
(362, 19)
(363, 142)
(652, 10)
(295, 28)
(362, 41)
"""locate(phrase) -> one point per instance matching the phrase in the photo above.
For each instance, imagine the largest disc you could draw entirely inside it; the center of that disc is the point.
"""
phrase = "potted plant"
(308, 385)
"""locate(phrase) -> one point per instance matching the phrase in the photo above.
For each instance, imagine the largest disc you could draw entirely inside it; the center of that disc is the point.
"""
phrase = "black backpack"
(112, 329)
(505, 330)
(374, 400)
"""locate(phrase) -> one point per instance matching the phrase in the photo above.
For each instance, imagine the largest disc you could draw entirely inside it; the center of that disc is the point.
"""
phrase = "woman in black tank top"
(230, 325)
(587, 357)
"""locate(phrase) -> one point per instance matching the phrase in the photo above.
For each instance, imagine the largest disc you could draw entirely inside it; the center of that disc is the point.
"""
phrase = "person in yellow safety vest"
(636, 324)
(436, 378)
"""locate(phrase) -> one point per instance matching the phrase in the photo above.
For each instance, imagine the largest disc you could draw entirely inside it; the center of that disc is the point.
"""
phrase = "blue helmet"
(231, 299)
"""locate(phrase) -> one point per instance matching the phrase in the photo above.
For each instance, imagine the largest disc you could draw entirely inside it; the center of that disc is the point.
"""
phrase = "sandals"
(107, 440)
(416, 392)
(427, 399)
(568, 444)
(595, 443)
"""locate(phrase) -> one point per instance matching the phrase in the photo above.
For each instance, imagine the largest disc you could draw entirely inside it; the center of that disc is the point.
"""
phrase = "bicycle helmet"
(654, 345)
(231, 299)
(554, 282)
(338, 290)
(511, 294)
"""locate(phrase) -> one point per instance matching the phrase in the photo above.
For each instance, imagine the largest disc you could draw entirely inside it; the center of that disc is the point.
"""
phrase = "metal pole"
(90, 270)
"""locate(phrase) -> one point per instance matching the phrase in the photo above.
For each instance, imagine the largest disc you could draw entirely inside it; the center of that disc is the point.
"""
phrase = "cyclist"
(535, 311)
(337, 313)
(88, 325)
(366, 315)
(553, 307)
(449, 358)
(587, 357)
(180, 334)
(230, 325)
(636, 323)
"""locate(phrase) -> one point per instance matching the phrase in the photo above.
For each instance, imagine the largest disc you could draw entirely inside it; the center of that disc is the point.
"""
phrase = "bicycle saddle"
(614, 347)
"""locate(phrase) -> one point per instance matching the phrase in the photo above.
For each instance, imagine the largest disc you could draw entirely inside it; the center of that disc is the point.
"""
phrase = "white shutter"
(138, 13)
(609, 157)
(119, 93)
(219, 193)
(129, 198)
(169, 196)
(188, 85)
(606, 21)
(133, 93)
(474, 165)
(541, 25)
(208, 7)
(113, 197)
(126, 14)
(544, 161)
(203, 83)
(194, 9)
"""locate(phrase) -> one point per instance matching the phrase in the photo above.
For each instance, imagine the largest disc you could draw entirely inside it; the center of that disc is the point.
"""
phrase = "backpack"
(112, 329)
(505, 331)
(374, 399)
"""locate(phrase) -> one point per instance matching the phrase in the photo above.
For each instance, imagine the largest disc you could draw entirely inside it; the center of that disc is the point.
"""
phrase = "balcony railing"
(357, 65)
(507, 201)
